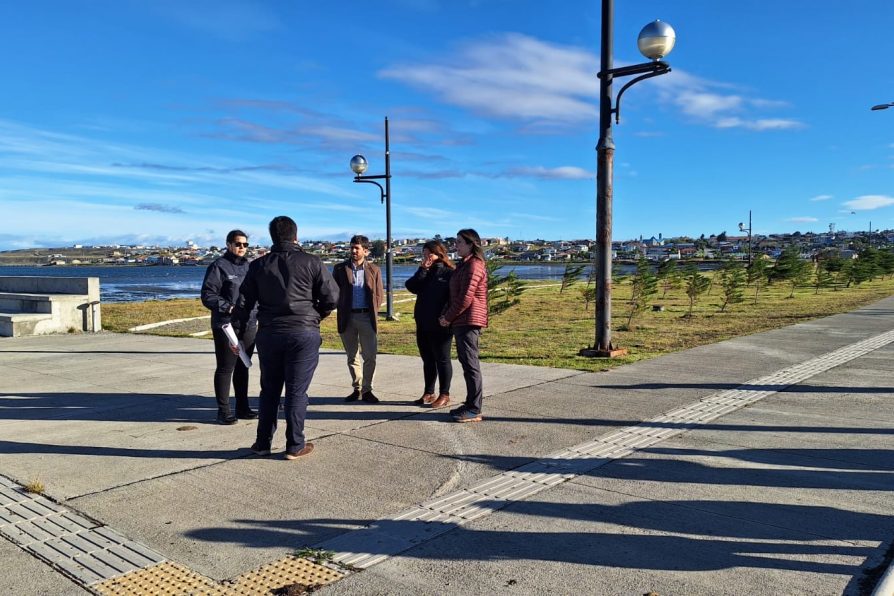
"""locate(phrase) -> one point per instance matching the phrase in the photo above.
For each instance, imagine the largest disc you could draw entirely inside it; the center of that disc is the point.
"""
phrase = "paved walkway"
(757, 465)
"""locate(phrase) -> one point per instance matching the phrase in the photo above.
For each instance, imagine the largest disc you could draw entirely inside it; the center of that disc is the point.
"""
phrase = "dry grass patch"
(548, 328)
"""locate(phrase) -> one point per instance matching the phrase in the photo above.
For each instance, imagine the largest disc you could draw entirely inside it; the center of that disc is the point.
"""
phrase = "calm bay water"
(134, 284)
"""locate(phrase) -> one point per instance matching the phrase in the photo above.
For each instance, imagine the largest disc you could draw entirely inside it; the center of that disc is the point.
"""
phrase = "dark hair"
(283, 229)
(234, 234)
(472, 237)
(361, 240)
(436, 247)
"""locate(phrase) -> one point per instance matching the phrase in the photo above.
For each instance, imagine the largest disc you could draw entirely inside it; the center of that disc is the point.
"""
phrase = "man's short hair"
(231, 237)
(361, 240)
(283, 229)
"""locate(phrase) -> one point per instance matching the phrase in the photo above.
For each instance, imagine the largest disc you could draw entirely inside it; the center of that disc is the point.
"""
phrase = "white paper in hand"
(234, 342)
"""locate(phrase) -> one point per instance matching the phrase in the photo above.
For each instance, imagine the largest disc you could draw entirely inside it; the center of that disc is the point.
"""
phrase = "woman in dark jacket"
(220, 294)
(431, 284)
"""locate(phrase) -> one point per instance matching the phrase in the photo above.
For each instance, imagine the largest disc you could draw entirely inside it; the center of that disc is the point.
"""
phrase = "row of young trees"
(735, 279)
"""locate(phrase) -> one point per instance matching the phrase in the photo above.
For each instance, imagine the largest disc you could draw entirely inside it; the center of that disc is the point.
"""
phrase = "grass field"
(548, 327)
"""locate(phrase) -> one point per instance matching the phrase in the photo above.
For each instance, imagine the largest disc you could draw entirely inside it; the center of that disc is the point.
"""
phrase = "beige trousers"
(361, 342)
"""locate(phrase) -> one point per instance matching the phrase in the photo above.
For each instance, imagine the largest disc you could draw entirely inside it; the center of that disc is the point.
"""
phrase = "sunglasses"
(240, 244)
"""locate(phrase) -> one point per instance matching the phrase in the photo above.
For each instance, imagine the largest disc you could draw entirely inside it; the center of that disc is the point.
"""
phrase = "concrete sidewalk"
(773, 473)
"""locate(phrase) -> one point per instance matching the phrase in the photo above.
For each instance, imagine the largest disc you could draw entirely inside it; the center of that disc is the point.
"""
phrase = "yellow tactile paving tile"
(287, 571)
(163, 579)
(172, 579)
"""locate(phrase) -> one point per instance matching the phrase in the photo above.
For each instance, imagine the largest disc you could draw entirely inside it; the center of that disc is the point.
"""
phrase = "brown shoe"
(442, 401)
(425, 400)
(308, 447)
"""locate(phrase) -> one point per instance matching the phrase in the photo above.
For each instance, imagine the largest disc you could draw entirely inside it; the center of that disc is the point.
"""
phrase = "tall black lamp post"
(655, 41)
(742, 228)
(358, 166)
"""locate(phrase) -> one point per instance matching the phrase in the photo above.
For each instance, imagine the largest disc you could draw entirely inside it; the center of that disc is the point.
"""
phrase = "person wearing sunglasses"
(220, 294)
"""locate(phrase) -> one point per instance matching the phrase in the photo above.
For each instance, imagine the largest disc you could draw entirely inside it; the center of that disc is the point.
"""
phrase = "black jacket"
(432, 289)
(291, 288)
(220, 288)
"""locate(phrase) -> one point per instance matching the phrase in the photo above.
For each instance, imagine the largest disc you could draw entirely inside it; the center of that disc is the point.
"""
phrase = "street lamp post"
(742, 228)
(359, 166)
(655, 41)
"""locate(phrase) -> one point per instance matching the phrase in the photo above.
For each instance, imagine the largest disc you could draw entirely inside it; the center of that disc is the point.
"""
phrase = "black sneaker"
(457, 411)
(226, 418)
(369, 398)
(355, 395)
(260, 450)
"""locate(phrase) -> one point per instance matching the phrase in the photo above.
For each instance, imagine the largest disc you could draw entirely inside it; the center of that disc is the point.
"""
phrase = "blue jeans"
(287, 358)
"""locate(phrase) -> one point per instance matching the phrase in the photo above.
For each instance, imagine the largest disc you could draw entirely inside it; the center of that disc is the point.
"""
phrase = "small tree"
(377, 249)
(572, 272)
(732, 282)
(668, 275)
(886, 261)
(696, 284)
(756, 274)
(503, 291)
(588, 293)
(791, 268)
(822, 277)
(645, 286)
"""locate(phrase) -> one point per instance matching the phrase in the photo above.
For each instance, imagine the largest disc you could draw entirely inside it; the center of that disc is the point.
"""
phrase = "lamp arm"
(358, 179)
(617, 109)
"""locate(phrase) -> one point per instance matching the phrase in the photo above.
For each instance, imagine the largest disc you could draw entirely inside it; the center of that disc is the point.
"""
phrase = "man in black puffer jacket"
(220, 293)
(294, 291)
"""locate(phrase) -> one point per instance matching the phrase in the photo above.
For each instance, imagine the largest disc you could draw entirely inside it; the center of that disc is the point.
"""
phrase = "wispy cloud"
(161, 208)
(550, 87)
(511, 76)
(233, 20)
(869, 202)
(559, 173)
(803, 219)
(431, 213)
(821, 198)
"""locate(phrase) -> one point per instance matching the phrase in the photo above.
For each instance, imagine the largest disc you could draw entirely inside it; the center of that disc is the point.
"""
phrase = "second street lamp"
(359, 166)
(655, 41)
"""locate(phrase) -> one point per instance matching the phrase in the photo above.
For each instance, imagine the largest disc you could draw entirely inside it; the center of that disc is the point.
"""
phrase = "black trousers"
(434, 348)
(230, 369)
(467, 354)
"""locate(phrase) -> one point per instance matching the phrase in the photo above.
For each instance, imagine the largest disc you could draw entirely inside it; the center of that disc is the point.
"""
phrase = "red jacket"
(468, 294)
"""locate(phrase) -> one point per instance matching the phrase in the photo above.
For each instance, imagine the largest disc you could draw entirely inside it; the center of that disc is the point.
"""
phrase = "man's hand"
(443, 322)
(235, 349)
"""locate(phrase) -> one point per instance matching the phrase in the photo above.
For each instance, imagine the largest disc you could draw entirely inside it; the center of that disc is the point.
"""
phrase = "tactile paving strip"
(165, 579)
(390, 536)
(173, 579)
(79, 547)
(284, 572)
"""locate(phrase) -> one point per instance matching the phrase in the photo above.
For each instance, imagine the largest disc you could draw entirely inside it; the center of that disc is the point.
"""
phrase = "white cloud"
(430, 213)
(547, 85)
(512, 76)
(821, 198)
(805, 219)
(869, 202)
(559, 173)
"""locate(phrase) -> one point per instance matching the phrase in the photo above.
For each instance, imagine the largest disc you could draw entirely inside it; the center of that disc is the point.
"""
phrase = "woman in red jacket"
(467, 314)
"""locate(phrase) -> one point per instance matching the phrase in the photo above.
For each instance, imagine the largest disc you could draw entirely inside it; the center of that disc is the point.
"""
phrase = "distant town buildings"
(409, 250)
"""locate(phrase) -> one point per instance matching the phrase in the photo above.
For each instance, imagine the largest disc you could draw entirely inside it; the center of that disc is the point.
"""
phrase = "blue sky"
(159, 121)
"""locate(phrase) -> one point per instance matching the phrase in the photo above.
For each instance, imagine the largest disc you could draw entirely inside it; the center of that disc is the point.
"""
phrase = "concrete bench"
(31, 305)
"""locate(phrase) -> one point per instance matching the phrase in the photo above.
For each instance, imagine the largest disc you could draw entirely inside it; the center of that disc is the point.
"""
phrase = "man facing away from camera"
(294, 291)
